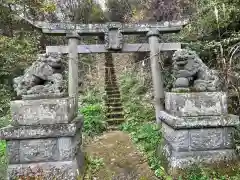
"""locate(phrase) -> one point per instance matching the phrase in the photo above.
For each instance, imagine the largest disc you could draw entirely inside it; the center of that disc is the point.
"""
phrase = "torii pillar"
(157, 79)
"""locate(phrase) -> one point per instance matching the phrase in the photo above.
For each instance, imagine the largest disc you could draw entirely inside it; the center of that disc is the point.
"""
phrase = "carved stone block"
(13, 151)
(65, 170)
(179, 160)
(196, 104)
(43, 111)
(179, 140)
(205, 139)
(38, 150)
(188, 122)
(68, 147)
(41, 131)
(114, 37)
(43, 150)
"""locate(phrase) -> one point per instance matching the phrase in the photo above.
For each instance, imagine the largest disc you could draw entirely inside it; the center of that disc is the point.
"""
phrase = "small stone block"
(43, 150)
(228, 137)
(41, 131)
(64, 170)
(43, 111)
(183, 140)
(179, 140)
(196, 104)
(38, 150)
(68, 147)
(205, 139)
(13, 151)
(43, 96)
(186, 159)
(189, 122)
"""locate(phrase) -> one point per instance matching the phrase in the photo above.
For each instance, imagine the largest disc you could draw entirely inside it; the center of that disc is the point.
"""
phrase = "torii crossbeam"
(100, 48)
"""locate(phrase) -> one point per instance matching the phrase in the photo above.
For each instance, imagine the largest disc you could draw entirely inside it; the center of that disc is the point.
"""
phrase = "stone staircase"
(113, 102)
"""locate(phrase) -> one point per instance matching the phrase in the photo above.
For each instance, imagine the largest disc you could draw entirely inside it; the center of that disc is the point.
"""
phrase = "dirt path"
(121, 159)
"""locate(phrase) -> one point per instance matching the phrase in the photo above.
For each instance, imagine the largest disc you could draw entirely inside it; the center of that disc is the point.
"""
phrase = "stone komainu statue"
(191, 72)
(44, 77)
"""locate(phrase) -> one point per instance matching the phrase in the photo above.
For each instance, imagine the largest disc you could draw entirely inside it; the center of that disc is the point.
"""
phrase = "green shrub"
(94, 119)
(93, 111)
(3, 160)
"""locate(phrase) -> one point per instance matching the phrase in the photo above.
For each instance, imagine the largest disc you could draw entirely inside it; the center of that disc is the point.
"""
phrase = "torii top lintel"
(100, 29)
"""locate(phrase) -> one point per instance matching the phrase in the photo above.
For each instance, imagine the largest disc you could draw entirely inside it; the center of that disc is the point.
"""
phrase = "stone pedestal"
(44, 139)
(197, 129)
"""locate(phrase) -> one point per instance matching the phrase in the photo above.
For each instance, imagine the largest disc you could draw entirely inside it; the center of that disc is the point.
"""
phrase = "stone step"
(109, 64)
(109, 67)
(114, 96)
(110, 74)
(114, 109)
(113, 104)
(111, 81)
(113, 77)
(111, 88)
(113, 127)
(110, 71)
(115, 115)
(111, 85)
(115, 121)
(114, 99)
(112, 92)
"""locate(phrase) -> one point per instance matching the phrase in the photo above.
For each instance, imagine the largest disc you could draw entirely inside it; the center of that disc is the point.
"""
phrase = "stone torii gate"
(44, 137)
(114, 42)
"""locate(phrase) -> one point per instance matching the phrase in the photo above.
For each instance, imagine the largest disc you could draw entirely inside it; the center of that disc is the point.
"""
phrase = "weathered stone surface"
(198, 139)
(197, 129)
(179, 140)
(42, 150)
(68, 147)
(196, 104)
(13, 151)
(44, 96)
(40, 131)
(228, 137)
(43, 77)
(190, 71)
(38, 150)
(114, 38)
(185, 159)
(199, 121)
(43, 111)
(205, 139)
(65, 170)
(90, 29)
(182, 82)
(127, 48)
